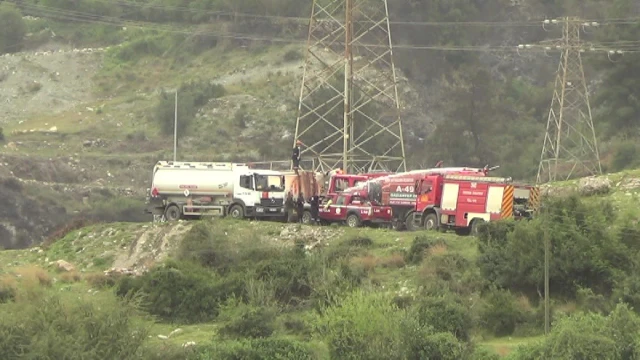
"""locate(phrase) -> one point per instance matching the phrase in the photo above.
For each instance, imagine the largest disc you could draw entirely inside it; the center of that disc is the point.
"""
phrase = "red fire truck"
(309, 182)
(354, 211)
(382, 200)
(462, 203)
(444, 201)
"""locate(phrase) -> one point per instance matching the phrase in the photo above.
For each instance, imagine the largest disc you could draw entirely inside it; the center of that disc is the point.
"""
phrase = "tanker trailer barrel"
(216, 189)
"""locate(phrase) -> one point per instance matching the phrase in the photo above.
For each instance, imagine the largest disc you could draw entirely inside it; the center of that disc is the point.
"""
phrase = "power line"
(523, 23)
(624, 46)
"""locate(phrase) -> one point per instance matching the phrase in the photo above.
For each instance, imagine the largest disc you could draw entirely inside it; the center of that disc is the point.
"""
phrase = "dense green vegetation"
(343, 301)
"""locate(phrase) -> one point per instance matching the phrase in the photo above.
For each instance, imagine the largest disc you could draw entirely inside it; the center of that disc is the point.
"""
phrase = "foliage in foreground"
(285, 303)
(38, 323)
(589, 336)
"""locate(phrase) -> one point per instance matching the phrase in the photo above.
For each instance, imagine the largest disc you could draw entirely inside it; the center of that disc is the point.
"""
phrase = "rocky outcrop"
(595, 185)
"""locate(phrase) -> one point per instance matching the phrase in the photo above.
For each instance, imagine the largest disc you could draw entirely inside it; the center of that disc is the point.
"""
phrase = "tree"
(12, 28)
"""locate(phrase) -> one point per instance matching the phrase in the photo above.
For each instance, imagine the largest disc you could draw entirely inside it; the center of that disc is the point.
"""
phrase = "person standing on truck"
(315, 208)
(295, 156)
(300, 205)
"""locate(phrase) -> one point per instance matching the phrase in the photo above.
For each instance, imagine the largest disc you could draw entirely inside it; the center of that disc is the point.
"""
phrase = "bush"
(292, 55)
(256, 349)
(421, 343)
(248, 321)
(2, 138)
(588, 336)
(191, 97)
(625, 156)
(586, 251)
(501, 314)
(445, 314)
(12, 30)
(49, 325)
(363, 326)
(419, 246)
(183, 292)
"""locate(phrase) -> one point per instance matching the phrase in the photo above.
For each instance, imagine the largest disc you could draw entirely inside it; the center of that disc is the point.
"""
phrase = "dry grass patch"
(567, 308)
(437, 250)
(428, 270)
(524, 303)
(8, 287)
(392, 261)
(101, 280)
(366, 263)
(34, 275)
(70, 277)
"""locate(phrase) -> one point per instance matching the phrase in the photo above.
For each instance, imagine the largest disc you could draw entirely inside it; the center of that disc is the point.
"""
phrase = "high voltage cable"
(528, 23)
(71, 15)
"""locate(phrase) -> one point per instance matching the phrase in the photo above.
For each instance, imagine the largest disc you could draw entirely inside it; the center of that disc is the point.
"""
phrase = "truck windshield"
(269, 183)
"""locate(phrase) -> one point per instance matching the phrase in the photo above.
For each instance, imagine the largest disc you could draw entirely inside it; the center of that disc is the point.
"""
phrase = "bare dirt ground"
(45, 82)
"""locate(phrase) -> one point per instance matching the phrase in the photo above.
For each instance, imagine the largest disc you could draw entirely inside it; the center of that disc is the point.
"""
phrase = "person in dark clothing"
(300, 205)
(289, 205)
(295, 156)
(315, 208)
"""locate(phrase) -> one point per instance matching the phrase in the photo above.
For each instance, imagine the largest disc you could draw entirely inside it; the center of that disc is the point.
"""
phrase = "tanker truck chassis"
(181, 190)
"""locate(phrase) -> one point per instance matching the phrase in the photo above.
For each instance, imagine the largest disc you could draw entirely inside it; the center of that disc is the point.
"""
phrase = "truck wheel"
(306, 217)
(431, 222)
(475, 225)
(172, 213)
(236, 212)
(409, 222)
(353, 221)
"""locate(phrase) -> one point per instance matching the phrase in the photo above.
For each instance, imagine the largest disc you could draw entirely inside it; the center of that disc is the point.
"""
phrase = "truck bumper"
(266, 212)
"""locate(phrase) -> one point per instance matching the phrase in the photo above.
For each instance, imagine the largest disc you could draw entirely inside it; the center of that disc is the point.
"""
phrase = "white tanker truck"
(180, 189)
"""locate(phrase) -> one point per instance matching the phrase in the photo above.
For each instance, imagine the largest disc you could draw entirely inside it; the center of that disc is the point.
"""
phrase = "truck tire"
(431, 222)
(475, 225)
(409, 223)
(236, 212)
(172, 213)
(353, 221)
(306, 217)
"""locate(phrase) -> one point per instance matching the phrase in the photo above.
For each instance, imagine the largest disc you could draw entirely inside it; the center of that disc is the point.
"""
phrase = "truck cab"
(354, 210)
(328, 190)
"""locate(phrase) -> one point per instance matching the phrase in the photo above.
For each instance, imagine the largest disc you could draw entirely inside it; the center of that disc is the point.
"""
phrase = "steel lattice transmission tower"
(570, 146)
(349, 112)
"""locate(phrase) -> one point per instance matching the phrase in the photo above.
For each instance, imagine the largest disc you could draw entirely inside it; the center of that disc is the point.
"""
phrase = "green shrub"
(118, 209)
(419, 246)
(2, 138)
(183, 292)
(191, 97)
(625, 156)
(421, 343)
(588, 336)
(445, 314)
(12, 30)
(247, 321)
(586, 251)
(501, 314)
(362, 326)
(292, 55)
(47, 325)
(291, 274)
(255, 349)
